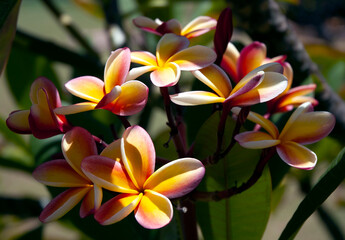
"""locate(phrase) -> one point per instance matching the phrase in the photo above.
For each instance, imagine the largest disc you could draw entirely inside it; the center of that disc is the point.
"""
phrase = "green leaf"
(319, 193)
(243, 216)
(8, 21)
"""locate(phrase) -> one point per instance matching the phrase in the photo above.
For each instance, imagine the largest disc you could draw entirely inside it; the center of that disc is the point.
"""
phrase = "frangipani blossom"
(238, 64)
(40, 120)
(303, 127)
(172, 56)
(127, 166)
(114, 94)
(76, 145)
(260, 85)
(195, 28)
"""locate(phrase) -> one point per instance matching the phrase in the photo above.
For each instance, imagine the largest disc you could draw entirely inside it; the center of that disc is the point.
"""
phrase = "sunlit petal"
(216, 79)
(198, 26)
(194, 58)
(144, 58)
(176, 178)
(249, 85)
(138, 154)
(91, 202)
(229, 61)
(250, 58)
(310, 127)
(109, 97)
(76, 108)
(59, 173)
(113, 150)
(86, 87)
(132, 99)
(154, 211)
(116, 68)
(108, 173)
(117, 208)
(134, 73)
(271, 86)
(194, 98)
(18, 121)
(62, 204)
(297, 155)
(168, 45)
(77, 144)
(256, 140)
(166, 76)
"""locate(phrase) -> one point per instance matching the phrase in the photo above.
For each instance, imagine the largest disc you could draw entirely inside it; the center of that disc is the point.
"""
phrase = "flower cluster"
(127, 165)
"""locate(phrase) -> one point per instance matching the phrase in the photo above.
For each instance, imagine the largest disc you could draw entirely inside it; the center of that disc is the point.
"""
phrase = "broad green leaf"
(243, 216)
(332, 178)
(8, 22)
(46, 149)
(163, 149)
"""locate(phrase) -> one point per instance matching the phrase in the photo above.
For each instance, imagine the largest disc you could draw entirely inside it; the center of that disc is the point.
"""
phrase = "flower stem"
(174, 131)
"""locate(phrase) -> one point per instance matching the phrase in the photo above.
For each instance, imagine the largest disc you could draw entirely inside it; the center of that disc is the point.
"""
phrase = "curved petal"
(62, 204)
(250, 58)
(77, 144)
(42, 120)
(109, 97)
(250, 85)
(143, 58)
(58, 173)
(271, 86)
(154, 211)
(76, 108)
(134, 73)
(263, 122)
(113, 151)
(256, 140)
(194, 58)
(146, 24)
(132, 99)
(117, 208)
(166, 76)
(108, 173)
(229, 61)
(86, 87)
(18, 122)
(177, 178)
(198, 26)
(310, 127)
(49, 88)
(171, 26)
(194, 98)
(138, 154)
(116, 68)
(297, 155)
(91, 202)
(303, 108)
(168, 45)
(216, 79)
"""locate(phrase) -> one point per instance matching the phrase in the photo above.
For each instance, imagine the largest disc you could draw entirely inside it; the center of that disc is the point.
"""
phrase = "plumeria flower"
(291, 97)
(40, 120)
(303, 127)
(172, 56)
(260, 85)
(238, 64)
(195, 28)
(114, 94)
(127, 167)
(76, 145)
